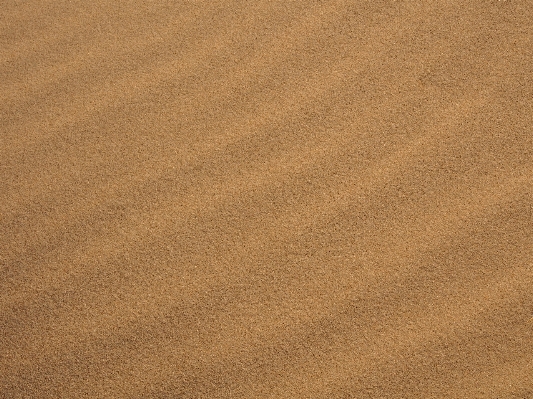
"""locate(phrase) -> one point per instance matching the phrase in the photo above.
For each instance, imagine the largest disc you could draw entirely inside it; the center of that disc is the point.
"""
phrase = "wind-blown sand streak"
(268, 199)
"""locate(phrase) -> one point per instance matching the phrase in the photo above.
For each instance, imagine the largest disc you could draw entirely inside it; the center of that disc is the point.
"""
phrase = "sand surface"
(266, 199)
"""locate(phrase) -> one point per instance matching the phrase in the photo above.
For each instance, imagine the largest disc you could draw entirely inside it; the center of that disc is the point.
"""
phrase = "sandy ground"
(266, 199)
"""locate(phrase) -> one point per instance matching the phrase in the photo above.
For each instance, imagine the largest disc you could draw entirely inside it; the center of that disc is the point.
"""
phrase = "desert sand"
(266, 199)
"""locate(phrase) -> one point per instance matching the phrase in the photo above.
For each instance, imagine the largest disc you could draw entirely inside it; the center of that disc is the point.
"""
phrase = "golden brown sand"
(266, 199)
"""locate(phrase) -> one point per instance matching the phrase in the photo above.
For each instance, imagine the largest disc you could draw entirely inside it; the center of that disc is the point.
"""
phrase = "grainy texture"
(266, 199)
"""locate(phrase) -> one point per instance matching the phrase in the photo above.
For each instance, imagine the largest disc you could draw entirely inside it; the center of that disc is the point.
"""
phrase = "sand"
(266, 199)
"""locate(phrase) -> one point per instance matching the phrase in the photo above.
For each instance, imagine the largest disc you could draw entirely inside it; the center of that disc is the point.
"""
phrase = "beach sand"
(266, 199)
